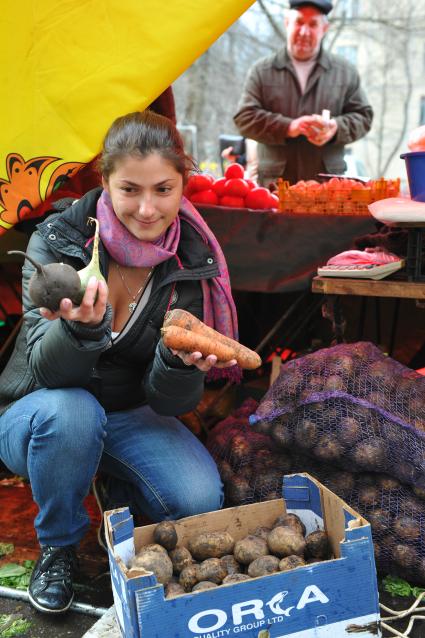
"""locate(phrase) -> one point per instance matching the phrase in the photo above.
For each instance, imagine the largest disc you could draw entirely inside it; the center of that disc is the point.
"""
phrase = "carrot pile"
(183, 331)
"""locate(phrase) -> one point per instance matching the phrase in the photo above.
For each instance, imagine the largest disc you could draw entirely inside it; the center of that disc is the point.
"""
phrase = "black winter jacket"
(137, 368)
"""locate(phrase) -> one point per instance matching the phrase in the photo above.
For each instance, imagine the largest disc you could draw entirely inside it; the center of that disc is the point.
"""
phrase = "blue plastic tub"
(415, 167)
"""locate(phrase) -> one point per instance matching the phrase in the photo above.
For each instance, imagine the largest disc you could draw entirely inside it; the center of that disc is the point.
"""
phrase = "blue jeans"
(58, 439)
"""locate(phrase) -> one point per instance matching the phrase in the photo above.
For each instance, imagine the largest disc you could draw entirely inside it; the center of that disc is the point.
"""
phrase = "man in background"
(302, 104)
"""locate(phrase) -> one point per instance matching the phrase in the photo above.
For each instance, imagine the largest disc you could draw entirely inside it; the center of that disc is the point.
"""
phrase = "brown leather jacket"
(272, 97)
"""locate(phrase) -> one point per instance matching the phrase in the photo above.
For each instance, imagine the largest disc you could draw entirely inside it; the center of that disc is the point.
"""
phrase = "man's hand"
(322, 131)
(301, 126)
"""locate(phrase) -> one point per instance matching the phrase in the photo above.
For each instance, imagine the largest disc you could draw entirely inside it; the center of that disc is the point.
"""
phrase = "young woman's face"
(145, 194)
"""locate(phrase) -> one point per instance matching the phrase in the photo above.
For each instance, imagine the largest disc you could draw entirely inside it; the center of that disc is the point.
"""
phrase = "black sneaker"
(50, 589)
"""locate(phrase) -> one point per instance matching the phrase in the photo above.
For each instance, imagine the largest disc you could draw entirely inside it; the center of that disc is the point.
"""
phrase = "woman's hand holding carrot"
(184, 333)
(202, 363)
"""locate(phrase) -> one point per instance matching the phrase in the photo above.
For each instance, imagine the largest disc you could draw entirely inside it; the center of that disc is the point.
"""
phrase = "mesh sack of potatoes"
(250, 468)
(395, 512)
(349, 406)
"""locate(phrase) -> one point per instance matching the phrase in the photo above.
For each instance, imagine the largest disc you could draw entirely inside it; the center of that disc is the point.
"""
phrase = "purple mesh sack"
(395, 513)
(352, 407)
(250, 469)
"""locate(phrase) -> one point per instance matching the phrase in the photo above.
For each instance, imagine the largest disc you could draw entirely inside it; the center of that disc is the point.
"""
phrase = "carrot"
(188, 341)
(245, 357)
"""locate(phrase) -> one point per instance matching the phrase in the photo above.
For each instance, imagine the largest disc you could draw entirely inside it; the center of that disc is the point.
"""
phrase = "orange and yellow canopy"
(70, 67)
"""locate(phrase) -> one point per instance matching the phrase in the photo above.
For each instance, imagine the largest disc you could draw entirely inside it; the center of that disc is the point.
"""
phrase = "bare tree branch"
(274, 25)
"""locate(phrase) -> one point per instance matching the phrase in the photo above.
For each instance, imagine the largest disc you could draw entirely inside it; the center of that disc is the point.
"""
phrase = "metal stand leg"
(331, 309)
(394, 326)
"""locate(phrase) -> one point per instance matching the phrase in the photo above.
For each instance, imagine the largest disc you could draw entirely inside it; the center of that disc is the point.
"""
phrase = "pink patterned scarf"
(127, 250)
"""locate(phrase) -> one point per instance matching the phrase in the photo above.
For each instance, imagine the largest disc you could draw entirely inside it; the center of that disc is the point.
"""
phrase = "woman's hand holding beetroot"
(91, 310)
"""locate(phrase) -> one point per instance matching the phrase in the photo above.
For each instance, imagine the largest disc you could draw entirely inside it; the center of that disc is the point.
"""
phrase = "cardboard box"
(331, 599)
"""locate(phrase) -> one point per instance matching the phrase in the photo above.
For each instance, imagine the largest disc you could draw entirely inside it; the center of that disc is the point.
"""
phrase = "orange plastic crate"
(334, 198)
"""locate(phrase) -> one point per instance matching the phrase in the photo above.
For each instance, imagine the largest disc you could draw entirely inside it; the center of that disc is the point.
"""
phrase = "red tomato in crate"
(218, 186)
(232, 202)
(236, 187)
(258, 198)
(251, 183)
(198, 183)
(205, 197)
(234, 170)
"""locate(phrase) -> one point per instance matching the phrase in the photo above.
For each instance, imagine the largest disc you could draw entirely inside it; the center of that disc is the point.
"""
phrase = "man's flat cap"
(324, 6)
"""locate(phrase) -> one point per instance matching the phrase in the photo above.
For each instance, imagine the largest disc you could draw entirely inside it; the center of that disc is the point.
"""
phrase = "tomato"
(232, 202)
(236, 187)
(218, 186)
(198, 183)
(274, 201)
(205, 197)
(234, 170)
(251, 183)
(258, 198)
(333, 184)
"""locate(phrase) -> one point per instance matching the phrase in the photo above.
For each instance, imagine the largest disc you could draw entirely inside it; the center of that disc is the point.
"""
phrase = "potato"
(281, 434)
(212, 569)
(271, 496)
(369, 496)
(211, 545)
(262, 426)
(189, 577)
(235, 578)
(328, 449)
(181, 558)
(173, 589)
(153, 547)
(165, 534)
(156, 562)
(262, 532)
(406, 472)
(290, 520)
(240, 448)
(291, 562)
(317, 545)
(284, 541)
(404, 556)
(334, 382)
(349, 431)
(419, 491)
(231, 564)
(380, 520)
(265, 482)
(245, 471)
(370, 454)
(250, 548)
(407, 528)
(389, 483)
(238, 490)
(265, 460)
(204, 584)
(340, 482)
(306, 434)
(225, 470)
(263, 566)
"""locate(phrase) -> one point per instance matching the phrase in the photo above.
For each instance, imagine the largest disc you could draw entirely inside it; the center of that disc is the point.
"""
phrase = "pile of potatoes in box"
(212, 559)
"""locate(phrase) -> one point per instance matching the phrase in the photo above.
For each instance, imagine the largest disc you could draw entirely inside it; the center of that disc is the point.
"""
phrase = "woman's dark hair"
(141, 134)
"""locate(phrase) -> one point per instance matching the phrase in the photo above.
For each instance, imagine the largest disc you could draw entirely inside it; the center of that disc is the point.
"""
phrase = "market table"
(399, 288)
(270, 252)
(396, 287)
